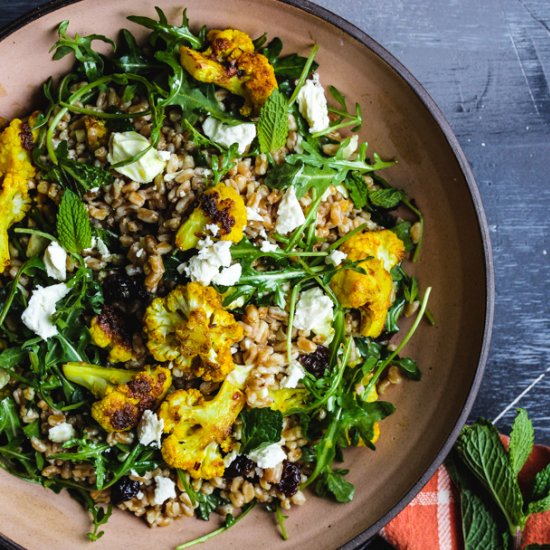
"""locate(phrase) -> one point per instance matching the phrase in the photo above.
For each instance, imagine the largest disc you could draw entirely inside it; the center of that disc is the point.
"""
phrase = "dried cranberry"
(290, 479)
(120, 287)
(124, 489)
(316, 363)
(242, 466)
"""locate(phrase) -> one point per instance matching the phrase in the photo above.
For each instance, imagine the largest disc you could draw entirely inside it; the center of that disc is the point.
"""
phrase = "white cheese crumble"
(38, 315)
(290, 214)
(351, 147)
(223, 134)
(229, 458)
(213, 228)
(124, 145)
(266, 246)
(228, 276)
(252, 215)
(150, 428)
(61, 433)
(206, 265)
(294, 374)
(165, 488)
(312, 104)
(314, 312)
(55, 260)
(336, 257)
(101, 247)
(268, 457)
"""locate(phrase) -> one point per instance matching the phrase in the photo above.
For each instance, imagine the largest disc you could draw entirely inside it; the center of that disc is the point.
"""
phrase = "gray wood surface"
(487, 64)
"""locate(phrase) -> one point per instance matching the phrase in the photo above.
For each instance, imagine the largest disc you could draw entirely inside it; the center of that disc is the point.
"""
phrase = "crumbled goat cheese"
(266, 246)
(268, 457)
(351, 147)
(252, 215)
(290, 214)
(125, 145)
(213, 228)
(4, 378)
(336, 257)
(55, 260)
(223, 134)
(314, 312)
(61, 433)
(165, 488)
(150, 428)
(207, 263)
(295, 373)
(229, 458)
(101, 247)
(228, 276)
(165, 155)
(38, 315)
(312, 104)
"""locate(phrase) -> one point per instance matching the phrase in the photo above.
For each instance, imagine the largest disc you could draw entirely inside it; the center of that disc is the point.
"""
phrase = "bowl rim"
(435, 111)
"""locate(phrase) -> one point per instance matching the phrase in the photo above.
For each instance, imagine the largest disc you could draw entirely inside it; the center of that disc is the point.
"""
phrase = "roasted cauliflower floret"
(125, 394)
(190, 327)
(96, 132)
(231, 62)
(286, 399)
(221, 206)
(200, 429)
(370, 292)
(108, 330)
(15, 170)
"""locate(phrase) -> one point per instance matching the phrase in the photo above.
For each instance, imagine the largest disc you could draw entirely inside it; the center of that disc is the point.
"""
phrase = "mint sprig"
(494, 509)
(273, 123)
(74, 229)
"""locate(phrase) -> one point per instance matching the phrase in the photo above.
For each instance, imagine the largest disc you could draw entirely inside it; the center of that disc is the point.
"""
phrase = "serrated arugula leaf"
(409, 367)
(301, 177)
(403, 231)
(73, 225)
(522, 438)
(11, 357)
(9, 418)
(131, 59)
(341, 489)
(260, 427)
(542, 505)
(273, 123)
(480, 448)
(541, 485)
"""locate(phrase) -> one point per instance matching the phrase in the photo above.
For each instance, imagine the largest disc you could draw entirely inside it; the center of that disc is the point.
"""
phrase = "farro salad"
(201, 274)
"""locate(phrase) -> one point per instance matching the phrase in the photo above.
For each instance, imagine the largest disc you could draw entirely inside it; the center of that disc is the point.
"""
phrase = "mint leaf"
(386, 198)
(542, 505)
(541, 485)
(522, 438)
(357, 188)
(273, 123)
(478, 525)
(260, 427)
(207, 504)
(480, 448)
(73, 225)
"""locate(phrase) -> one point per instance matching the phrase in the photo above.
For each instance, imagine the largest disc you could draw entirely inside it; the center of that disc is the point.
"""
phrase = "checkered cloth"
(432, 520)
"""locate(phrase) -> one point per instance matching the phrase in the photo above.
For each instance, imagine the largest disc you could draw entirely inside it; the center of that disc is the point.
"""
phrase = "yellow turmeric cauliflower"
(370, 292)
(231, 62)
(125, 393)
(16, 170)
(190, 327)
(222, 206)
(108, 330)
(200, 429)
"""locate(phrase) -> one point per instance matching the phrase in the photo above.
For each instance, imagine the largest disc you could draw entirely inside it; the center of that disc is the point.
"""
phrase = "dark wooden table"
(487, 64)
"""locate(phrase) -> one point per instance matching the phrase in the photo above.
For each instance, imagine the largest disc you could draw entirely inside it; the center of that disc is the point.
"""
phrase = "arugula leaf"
(522, 438)
(409, 367)
(11, 357)
(9, 418)
(81, 46)
(341, 489)
(208, 504)
(85, 176)
(260, 428)
(73, 225)
(403, 231)
(289, 66)
(480, 448)
(301, 177)
(273, 123)
(541, 485)
(132, 60)
(171, 34)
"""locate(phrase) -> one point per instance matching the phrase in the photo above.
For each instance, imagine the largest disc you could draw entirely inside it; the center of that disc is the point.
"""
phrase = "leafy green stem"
(304, 74)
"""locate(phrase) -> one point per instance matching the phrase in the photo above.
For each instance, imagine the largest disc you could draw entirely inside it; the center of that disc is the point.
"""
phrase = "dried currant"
(120, 287)
(242, 466)
(124, 489)
(290, 479)
(316, 363)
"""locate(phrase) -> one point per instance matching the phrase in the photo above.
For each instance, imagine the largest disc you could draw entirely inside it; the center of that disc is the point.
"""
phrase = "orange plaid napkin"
(432, 519)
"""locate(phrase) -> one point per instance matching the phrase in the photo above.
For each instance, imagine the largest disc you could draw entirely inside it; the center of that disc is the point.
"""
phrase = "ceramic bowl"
(401, 121)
